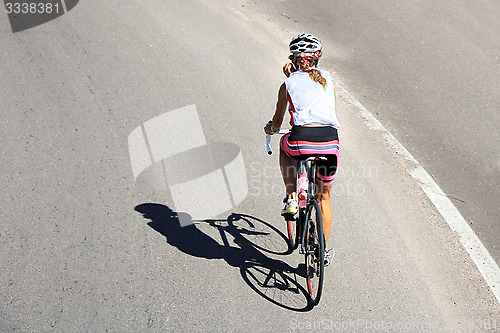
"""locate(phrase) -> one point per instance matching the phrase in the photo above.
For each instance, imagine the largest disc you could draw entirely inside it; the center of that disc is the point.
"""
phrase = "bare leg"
(323, 196)
(288, 168)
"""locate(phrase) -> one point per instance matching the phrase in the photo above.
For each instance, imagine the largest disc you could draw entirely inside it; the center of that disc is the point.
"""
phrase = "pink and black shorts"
(303, 142)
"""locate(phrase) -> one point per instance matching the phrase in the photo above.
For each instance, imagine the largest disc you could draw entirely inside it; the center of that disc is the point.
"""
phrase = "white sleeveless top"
(309, 103)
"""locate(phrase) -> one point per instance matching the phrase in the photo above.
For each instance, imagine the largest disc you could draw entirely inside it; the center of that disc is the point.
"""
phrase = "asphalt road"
(88, 247)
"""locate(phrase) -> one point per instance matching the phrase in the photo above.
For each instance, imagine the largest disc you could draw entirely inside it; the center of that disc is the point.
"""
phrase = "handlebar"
(268, 140)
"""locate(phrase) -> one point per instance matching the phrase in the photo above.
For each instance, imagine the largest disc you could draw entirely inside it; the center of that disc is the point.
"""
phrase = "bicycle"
(305, 229)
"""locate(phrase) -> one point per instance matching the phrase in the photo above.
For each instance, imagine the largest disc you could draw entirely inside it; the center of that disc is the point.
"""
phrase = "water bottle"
(302, 186)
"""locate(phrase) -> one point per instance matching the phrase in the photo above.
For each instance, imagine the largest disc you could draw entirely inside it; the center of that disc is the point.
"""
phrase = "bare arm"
(279, 114)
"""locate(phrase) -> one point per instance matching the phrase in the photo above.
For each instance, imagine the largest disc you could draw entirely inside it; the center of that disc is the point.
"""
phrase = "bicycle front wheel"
(314, 248)
(293, 232)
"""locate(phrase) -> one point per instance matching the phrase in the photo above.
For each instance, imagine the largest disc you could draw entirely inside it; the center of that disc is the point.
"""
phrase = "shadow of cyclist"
(259, 271)
(188, 239)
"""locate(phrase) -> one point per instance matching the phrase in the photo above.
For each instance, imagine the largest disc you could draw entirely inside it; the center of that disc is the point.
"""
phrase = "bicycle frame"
(310, 166)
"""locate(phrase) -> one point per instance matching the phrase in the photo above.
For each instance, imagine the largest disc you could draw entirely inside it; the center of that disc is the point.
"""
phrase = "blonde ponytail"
(316, 76)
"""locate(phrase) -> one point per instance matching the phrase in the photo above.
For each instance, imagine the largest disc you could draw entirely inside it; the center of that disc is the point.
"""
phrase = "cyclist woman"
(308, 91)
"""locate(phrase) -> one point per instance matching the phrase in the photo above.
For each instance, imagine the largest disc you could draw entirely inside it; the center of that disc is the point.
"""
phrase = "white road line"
(472, 244)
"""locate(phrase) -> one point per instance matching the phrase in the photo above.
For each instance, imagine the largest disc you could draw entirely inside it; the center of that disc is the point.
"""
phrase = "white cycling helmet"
(305, 45)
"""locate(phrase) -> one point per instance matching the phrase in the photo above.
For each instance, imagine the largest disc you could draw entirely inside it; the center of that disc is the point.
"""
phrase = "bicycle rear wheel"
(314, 248)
